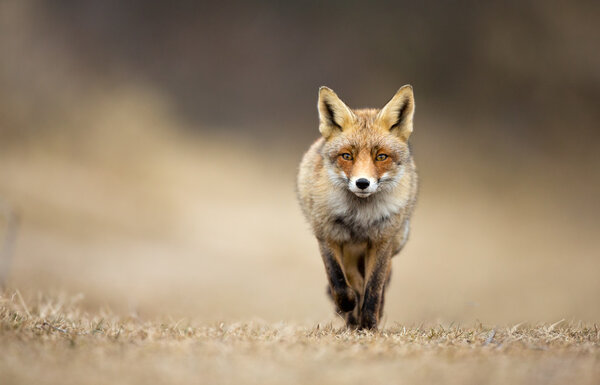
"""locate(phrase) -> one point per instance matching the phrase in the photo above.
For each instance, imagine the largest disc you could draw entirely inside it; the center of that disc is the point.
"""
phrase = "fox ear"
(334, 115)
(398, 113)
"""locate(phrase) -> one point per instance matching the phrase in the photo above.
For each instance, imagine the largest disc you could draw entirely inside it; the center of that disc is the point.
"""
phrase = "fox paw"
(368, 321)
(351, 321)
(345, 299)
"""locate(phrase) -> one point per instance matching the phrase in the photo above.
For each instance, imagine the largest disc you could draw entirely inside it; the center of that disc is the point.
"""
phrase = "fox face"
(366, 149)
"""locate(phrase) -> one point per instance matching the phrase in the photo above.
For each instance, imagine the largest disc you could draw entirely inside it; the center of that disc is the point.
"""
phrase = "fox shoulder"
(311, 168)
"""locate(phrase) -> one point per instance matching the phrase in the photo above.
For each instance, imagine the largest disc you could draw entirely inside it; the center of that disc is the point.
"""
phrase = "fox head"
(366, 150)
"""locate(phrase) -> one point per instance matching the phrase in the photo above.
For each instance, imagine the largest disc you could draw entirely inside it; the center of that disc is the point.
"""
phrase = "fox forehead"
(365, 139)
(365, 135)
(356, 146)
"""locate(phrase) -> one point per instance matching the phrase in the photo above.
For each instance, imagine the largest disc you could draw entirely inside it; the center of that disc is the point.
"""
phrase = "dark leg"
(351, 320)
(385, 286)
(342, 294)
(349, 316)
(377, 268)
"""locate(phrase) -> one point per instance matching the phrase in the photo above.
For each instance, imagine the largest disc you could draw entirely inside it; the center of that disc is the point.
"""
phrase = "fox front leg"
(378, 268)
(343, 295)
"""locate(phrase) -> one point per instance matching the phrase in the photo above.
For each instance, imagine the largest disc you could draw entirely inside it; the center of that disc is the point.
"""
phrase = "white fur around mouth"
(362, 194)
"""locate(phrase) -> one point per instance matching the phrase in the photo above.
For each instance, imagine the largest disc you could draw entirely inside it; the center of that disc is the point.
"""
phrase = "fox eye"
(346, 156)
(381, 157)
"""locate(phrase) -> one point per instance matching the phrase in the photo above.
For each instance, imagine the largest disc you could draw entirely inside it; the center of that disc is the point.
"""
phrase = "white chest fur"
(362, 217)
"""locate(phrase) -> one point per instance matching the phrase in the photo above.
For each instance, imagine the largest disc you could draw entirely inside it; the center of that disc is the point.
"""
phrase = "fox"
(357, 187)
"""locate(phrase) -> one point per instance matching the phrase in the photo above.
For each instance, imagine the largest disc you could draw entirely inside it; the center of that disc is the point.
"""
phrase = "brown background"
(150, 151)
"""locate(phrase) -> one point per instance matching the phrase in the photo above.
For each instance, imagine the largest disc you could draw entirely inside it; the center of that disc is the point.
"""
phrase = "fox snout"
(362, 183)
(362, 186)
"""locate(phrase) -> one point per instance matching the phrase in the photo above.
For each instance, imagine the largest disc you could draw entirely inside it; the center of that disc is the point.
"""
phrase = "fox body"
(357, 187)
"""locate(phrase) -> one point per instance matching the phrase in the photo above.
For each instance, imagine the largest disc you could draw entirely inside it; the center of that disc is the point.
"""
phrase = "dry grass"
(52, 340)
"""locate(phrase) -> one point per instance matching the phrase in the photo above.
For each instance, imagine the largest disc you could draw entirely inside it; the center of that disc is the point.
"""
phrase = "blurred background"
(148, 153)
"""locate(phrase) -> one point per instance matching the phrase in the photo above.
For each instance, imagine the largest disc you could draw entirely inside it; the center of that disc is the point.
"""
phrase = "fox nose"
(362, 183)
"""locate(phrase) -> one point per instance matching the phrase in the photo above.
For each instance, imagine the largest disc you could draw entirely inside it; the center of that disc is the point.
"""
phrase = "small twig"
(23, 303)
(490, 337)
(516, 327)
(551, 327)
(55, 327)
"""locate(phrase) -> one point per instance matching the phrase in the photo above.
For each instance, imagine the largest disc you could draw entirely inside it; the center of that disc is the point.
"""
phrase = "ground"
(51, 340)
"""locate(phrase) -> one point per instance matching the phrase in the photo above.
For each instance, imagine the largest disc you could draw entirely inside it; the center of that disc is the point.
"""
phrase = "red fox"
(357, 186)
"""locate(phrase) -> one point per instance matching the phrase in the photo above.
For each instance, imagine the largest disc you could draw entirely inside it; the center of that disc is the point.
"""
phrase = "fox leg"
(353, 263)
(343, 295)
(385, 286)
(349, 316)
(378, 267)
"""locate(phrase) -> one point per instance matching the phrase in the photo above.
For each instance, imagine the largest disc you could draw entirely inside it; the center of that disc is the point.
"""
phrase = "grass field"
(53, 340)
